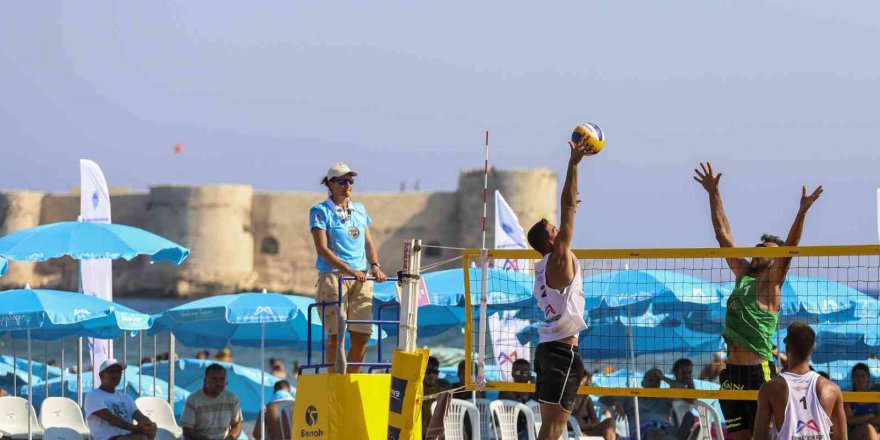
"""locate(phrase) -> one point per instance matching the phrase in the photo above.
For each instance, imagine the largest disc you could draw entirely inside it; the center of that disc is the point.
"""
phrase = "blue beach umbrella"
(246, 319)
(815, 300)
(3, 266)
(244, 382)
(842, 341)
(88, 240)
(446, 287)
(53, 314)
(219, 321)
(611, 340)
(608, 294)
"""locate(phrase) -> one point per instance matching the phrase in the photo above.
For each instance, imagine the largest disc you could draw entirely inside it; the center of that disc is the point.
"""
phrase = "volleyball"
(596, 139)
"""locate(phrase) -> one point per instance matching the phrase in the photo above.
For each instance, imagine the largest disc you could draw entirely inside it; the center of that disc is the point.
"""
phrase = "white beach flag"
(509, 234)
(96, 275)
(505, 346)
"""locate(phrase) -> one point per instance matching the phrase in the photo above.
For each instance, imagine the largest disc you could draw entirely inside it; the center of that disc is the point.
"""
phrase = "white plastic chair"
(453, 420)
(506, 413)
(709, 421)
(285, 408)
(160, 412)
(487, 422)
(59, 415)
(13, 418)
(62, 433)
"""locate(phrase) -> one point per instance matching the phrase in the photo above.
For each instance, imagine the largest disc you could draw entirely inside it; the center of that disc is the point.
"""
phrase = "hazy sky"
(776, 94)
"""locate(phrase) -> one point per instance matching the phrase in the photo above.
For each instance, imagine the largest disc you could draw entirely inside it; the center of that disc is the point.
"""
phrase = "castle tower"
(532, 193)
(19, 210)
(214, 222)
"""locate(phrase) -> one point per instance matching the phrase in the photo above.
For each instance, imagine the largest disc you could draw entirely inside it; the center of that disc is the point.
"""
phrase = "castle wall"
(532, 193)
(245, 240)
(19, 210)
(284, 252)
(214, 222)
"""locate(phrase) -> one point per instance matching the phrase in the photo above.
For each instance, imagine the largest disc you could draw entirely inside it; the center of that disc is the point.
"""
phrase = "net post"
(412, 261)
(484, 285)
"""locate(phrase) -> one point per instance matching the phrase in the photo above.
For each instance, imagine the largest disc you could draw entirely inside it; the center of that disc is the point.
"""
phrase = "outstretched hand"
(580, 149)
(707, 177)
(808, 200)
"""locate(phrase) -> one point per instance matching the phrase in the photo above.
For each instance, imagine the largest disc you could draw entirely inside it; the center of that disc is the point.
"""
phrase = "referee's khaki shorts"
(357, 298)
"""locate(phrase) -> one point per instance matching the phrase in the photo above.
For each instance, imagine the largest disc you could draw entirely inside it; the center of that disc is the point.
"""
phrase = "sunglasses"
(343, 181)
(432, 371)
(522, 373)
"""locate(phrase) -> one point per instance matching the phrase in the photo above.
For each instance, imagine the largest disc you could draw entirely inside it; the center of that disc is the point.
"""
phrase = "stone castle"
(244, 240)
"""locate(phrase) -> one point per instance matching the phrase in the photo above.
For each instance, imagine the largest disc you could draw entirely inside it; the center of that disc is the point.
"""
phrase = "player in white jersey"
(799, 404)
(560, 294)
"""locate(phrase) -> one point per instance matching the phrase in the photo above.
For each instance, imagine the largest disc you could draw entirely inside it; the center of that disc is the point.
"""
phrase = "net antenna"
(484, 263)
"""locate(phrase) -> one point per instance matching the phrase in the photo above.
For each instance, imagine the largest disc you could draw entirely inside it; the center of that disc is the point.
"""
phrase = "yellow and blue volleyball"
(596, 137)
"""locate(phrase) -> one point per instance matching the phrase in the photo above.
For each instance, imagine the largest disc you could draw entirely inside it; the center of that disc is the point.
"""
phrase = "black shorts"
(559, 369)
(740, 414)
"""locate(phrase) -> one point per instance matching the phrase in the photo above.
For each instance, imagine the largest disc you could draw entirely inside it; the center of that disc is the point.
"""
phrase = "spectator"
(202, 355)
(432, 385)
(277, 426)
(212, 412)
(464, 394)
(655, 413)
(713, 370)
(111, 415)
(862, 418)
(146, 360)
(277, 368)
(521, 371)
(224, 355)
(585, 413)
(781, 358)
(294, 374)
(683, 374)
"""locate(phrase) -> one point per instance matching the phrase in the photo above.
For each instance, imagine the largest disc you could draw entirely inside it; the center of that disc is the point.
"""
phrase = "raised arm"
(569, 202)
(796, 231)
(709, 181)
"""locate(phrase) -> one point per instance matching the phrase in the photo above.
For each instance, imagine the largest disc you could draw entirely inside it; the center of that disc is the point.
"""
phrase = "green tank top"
(747, 324)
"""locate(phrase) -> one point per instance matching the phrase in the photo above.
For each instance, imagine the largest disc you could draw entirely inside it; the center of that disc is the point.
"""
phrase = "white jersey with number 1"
(805, 419)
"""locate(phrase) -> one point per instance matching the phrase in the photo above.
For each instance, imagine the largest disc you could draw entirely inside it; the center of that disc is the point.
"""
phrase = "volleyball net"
(648, 308)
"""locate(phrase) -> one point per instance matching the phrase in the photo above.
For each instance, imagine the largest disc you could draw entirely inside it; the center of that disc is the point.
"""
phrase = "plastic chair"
(13, 418)
(487, 422)
(506, 413)
(710, 421)
(60, 414)
(285, 408)
(62, 433)
(453, 420)
(160, 412)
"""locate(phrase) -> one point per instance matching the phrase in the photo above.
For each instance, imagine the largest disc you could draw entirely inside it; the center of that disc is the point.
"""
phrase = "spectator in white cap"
(340, 230)
(111, 415)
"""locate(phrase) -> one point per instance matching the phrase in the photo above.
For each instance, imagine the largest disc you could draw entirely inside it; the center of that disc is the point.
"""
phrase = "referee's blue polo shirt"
(345, 231)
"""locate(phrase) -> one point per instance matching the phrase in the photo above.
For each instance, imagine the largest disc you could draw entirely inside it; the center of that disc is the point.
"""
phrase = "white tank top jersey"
(805, 419)
(563, 311)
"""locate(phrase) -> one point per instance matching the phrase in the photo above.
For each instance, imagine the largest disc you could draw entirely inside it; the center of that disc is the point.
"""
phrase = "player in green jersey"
(753, 307)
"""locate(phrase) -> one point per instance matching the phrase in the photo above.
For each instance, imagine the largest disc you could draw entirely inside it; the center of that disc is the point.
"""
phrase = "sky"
(775, 94)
